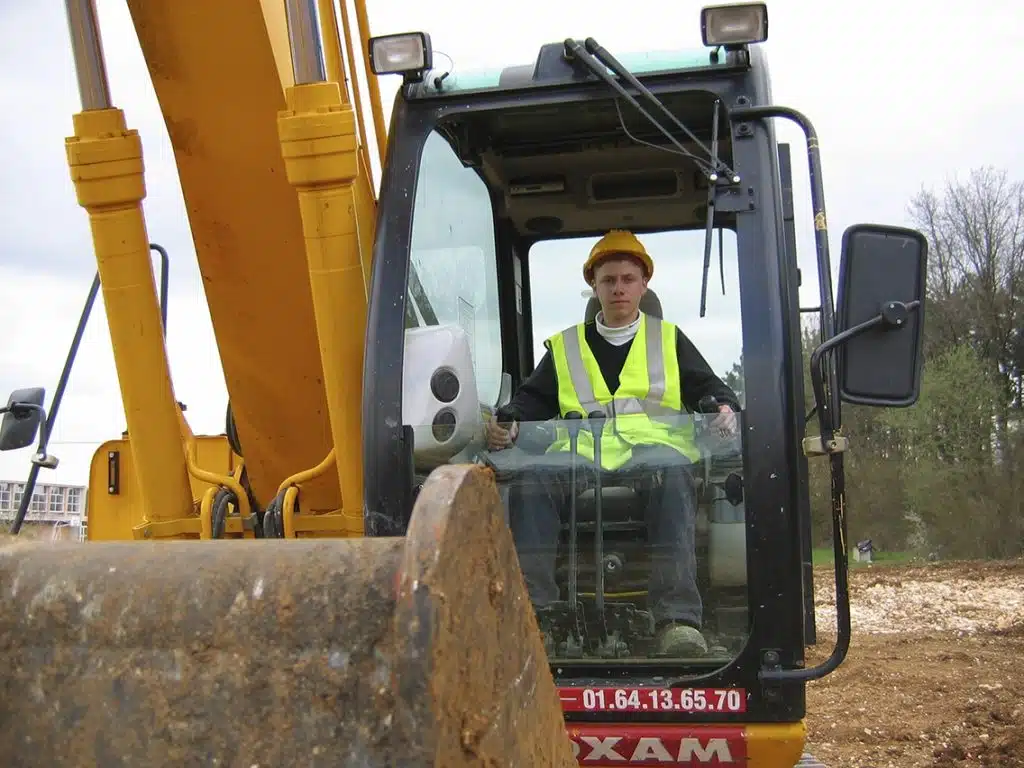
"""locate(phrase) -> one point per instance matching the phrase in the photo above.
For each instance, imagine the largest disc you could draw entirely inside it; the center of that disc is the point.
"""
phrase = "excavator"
(336, 578)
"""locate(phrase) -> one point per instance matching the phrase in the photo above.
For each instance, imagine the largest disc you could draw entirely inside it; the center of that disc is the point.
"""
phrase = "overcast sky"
(903, 93)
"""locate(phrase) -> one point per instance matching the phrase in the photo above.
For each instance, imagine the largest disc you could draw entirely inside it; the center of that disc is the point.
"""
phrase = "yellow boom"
(277, 184)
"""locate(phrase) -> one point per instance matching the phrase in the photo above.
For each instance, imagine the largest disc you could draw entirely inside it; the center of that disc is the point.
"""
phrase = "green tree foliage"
(872, 475)
(949, 472)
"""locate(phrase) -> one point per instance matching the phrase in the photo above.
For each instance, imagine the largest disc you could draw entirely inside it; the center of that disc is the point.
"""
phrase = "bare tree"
(975, 230)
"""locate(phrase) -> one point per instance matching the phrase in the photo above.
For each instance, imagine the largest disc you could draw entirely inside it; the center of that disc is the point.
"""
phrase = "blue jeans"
(540, 501)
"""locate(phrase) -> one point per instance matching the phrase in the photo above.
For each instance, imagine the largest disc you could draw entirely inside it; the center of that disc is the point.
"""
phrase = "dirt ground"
(935, 672)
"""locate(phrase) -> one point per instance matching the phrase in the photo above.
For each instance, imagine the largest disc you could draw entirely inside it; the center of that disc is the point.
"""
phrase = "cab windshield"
(630, 527)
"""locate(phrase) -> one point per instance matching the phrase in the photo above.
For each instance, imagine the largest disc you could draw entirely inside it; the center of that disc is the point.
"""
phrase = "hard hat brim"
(596, 260)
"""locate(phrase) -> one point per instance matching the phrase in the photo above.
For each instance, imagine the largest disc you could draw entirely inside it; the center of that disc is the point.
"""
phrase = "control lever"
(573, 423)
(597, 419)
(708, 404)
(504, 416)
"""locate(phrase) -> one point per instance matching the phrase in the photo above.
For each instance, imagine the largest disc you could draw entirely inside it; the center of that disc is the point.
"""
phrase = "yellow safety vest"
(648, 389)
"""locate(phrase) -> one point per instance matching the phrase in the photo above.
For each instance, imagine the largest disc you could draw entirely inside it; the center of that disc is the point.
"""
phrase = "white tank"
(439, 393)
(727, 542)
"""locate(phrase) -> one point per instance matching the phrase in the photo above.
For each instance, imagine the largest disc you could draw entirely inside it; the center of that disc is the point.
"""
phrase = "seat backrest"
(650, 304)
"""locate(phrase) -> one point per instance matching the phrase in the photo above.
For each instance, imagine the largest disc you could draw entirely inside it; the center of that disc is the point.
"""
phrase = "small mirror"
(18, 429)
(882, 272)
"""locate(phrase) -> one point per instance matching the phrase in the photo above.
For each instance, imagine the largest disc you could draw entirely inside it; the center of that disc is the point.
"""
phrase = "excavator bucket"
(414, 651)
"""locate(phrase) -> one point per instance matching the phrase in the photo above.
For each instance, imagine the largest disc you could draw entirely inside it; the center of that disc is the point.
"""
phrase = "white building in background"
(53, 506)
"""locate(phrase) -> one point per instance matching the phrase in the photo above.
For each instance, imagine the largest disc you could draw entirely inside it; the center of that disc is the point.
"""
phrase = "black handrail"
(164, 282)
(826, 393)
(58, 395)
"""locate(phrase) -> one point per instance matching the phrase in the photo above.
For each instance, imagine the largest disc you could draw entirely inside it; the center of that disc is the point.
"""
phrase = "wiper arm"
(426, 312)
(606, 58)
(709, 226)
(576, 51)
(721, 258)
(596, 58)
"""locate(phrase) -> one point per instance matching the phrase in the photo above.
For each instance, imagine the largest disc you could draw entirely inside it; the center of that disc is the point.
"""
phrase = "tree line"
(944, 477)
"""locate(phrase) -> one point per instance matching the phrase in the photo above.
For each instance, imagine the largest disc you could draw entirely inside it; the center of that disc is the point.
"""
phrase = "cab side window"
(454, 277)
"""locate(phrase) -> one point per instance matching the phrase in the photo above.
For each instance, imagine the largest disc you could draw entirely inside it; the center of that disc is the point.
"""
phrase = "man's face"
(619, 284)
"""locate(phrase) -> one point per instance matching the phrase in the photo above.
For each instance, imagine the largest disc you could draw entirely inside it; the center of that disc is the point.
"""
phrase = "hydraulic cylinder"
(105, 159)
(319, 145)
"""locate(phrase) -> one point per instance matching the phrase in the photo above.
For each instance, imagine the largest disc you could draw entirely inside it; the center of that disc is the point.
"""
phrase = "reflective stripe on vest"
(648, 389)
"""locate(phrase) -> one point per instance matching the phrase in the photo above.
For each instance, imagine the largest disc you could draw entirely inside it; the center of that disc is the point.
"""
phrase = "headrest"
(650, 304)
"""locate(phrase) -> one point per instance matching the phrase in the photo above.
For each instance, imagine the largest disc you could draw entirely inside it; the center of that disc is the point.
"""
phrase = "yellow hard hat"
(617, 242)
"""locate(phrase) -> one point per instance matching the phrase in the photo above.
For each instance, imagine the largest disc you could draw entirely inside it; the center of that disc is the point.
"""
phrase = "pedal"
(613, 647)
(624, 625)
(561, 629)
(629, 621)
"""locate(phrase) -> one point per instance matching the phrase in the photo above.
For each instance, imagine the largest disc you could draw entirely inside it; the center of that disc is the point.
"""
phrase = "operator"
(591, 363)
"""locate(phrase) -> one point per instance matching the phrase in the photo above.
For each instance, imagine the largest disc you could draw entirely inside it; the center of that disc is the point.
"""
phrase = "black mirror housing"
(882, 271)
(19, 426)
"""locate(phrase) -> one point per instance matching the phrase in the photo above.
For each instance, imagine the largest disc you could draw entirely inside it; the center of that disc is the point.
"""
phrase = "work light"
(406, 53)
(735, 24)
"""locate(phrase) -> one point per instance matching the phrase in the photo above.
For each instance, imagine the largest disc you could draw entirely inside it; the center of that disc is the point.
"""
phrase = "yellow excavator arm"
(270, 143)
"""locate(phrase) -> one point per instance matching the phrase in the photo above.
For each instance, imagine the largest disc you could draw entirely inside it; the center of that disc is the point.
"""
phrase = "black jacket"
(537, 398)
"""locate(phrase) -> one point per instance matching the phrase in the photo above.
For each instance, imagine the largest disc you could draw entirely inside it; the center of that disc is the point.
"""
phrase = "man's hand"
(499, 438)
(725, 422)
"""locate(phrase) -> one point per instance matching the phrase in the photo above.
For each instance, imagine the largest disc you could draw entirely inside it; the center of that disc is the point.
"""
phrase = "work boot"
(680, 640)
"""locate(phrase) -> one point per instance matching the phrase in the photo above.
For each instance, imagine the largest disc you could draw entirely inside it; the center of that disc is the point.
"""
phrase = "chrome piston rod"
(87, 48)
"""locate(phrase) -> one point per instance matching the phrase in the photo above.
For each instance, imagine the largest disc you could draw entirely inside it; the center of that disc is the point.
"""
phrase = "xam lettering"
(654, 746)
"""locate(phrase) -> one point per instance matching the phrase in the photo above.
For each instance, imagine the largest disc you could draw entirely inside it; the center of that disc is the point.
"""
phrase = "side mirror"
(881, 289)
(22, 417)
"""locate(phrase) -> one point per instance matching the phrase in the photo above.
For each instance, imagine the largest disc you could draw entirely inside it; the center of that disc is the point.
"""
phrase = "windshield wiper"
(593, 56)
(574, 50)
(717, 165)
(710, 222)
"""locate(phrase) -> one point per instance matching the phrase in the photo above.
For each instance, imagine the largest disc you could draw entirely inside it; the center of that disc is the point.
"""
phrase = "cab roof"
(552, 68)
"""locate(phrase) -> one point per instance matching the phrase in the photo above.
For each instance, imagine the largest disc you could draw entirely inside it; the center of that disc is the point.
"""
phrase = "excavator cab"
(497, 183)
